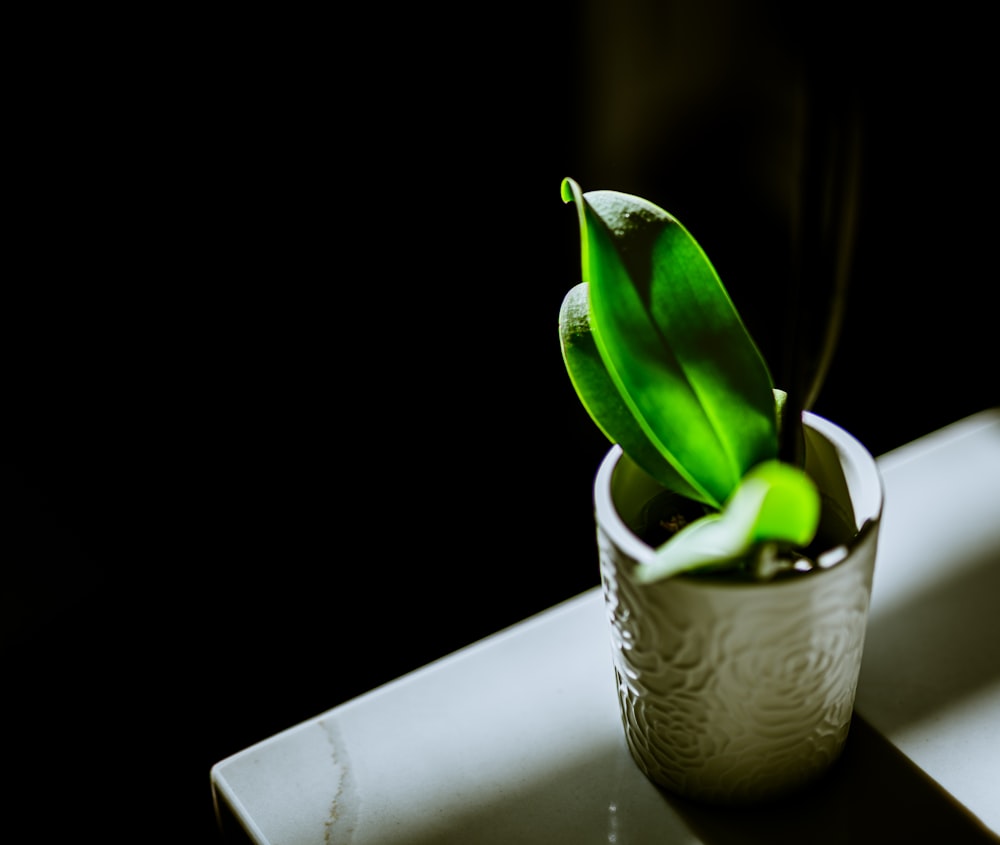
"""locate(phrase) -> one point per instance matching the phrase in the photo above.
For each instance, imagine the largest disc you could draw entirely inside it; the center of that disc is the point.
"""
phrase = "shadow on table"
(874, 794)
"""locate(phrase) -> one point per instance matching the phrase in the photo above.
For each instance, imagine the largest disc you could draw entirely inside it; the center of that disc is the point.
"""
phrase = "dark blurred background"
(288, 413)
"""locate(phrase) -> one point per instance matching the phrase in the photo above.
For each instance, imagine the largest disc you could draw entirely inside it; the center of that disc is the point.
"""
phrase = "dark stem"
(824, 222)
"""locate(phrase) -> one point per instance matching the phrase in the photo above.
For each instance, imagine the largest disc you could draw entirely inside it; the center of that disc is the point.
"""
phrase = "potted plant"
(736, 536)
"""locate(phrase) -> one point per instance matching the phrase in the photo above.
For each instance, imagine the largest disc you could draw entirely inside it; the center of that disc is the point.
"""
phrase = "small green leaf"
(775, 502)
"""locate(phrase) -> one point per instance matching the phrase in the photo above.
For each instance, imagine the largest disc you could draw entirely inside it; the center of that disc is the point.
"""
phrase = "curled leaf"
(774, 503)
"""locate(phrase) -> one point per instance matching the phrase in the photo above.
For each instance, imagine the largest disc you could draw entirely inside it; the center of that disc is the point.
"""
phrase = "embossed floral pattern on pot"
(739, 692)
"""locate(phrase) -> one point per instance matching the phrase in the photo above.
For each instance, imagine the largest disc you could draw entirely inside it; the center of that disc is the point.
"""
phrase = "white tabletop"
(517, 738)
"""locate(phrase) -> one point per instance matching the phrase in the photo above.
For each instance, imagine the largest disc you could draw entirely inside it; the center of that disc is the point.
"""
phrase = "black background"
(288, 416)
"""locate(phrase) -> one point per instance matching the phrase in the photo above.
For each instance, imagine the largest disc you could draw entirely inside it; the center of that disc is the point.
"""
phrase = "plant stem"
(824, 222)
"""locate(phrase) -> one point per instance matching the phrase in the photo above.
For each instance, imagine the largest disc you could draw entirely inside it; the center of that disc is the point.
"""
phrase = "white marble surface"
(517, 738)
(930, 680)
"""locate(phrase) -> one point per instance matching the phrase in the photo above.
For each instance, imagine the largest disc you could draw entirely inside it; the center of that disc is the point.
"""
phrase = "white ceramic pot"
(740, 692)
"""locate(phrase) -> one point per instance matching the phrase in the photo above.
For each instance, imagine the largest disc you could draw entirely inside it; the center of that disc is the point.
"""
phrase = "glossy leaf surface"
(603, 401)
(672, 344)
(664, 365)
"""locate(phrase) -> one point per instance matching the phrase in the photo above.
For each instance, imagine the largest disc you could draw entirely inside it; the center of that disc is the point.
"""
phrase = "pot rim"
(859, 466)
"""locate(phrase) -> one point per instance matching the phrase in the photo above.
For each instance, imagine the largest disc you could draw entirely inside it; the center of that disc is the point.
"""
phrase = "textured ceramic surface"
(737, 693)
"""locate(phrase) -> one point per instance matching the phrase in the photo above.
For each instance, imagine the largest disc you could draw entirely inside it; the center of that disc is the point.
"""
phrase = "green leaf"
(600, 397)
(673, 346)
(775, 502)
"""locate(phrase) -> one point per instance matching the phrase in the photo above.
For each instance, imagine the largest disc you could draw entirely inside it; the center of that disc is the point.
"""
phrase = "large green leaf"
(672, 344)
(601, 398)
